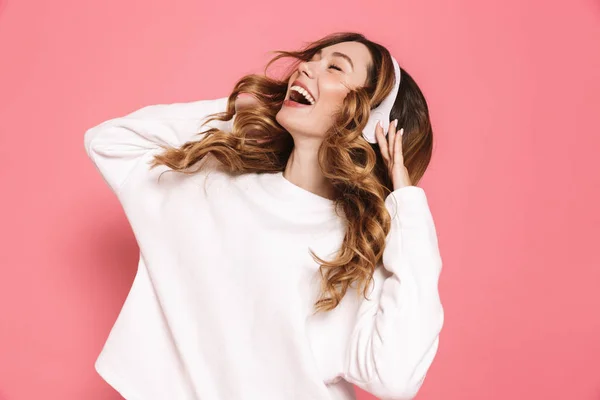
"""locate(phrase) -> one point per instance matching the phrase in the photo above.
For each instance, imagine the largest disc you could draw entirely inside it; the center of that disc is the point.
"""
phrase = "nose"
(304, 68)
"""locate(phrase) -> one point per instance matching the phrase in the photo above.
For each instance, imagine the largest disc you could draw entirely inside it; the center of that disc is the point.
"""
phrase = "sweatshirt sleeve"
(119, 145)
(396, 335)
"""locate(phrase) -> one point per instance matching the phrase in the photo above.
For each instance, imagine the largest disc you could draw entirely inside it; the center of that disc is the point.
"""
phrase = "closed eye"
(335, 67)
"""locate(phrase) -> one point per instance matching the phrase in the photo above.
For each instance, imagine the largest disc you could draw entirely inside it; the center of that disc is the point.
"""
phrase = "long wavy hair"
(353, 166)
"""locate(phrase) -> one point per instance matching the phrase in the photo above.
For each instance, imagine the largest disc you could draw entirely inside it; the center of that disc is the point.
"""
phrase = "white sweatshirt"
(221, 307)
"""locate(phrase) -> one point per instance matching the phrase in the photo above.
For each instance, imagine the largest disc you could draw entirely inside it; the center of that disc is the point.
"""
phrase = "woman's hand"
(244, 100)
(391, 150)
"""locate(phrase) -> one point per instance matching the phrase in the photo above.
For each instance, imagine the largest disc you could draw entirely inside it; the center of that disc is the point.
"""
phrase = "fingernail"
(395, 123)
(401, 131)
(379, 124)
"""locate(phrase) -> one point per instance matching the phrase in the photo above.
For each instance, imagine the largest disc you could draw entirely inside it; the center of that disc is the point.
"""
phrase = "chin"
(296, 124)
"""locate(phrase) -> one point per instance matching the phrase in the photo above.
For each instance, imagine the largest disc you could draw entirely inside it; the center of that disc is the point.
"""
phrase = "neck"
(302, 169)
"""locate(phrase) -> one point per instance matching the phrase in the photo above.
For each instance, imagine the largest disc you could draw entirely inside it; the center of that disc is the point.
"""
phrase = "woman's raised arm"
(118, 145)
(396, 335)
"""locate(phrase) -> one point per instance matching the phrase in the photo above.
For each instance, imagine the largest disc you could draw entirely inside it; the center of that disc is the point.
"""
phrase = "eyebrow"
(338, 54)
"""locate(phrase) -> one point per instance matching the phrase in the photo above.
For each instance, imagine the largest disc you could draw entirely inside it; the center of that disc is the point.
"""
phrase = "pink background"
(514, 93)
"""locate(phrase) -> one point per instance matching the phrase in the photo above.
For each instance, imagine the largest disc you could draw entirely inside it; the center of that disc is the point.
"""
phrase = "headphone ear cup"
(369, 130)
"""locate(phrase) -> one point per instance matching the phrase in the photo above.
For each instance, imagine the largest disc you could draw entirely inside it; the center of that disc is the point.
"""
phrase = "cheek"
(334, 94)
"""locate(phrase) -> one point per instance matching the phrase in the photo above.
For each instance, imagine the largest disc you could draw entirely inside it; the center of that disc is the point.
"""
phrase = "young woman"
(287, 253)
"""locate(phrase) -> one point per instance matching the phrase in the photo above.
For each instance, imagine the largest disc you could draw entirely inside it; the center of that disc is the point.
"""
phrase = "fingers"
(383, 145)
(398, 157)
(391, 139)
(392, 149)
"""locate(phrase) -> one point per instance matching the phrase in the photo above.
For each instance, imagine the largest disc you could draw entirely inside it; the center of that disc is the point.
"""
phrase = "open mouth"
(299, 98)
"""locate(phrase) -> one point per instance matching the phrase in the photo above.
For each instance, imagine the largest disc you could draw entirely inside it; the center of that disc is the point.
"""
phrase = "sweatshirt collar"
(294, 196)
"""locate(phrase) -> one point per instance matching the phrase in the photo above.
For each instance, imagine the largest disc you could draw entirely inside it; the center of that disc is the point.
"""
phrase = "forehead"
(358, 53)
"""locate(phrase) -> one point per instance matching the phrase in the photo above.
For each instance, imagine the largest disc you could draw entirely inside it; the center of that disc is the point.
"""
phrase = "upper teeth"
(303, 92)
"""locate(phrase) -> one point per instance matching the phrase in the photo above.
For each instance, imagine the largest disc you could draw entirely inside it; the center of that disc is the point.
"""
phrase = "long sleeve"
(120, 145)
(396, 335)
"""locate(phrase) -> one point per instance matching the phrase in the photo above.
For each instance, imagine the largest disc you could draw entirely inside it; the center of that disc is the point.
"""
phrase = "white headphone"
(382, 111)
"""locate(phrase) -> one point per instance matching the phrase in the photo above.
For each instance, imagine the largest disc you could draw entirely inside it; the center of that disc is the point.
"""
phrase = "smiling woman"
(328, 76)
(281, 205)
